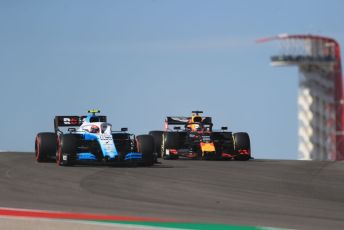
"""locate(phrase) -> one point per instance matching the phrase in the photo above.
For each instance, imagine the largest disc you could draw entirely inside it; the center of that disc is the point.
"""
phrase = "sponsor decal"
(71, 120)
(207, 147)
(105, 137)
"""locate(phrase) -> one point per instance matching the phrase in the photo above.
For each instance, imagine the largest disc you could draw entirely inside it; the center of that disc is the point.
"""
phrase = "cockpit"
(98, 128)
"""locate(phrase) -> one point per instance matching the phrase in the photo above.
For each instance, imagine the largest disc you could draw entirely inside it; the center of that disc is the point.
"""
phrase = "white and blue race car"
(91, 139)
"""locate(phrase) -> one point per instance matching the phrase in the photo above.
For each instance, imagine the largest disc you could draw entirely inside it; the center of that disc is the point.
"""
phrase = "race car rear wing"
(185, 120)
(73, 121)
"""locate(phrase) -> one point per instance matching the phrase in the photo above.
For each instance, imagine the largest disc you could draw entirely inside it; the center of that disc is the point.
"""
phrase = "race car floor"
(271, 193)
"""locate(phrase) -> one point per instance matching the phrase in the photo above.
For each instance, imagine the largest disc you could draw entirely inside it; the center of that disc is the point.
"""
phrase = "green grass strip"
(181, 225)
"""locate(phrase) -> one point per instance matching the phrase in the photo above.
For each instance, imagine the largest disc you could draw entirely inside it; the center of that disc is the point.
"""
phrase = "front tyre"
(66, 154)
(145, 145)
(45, 146)
(122, 143)
(242, 146)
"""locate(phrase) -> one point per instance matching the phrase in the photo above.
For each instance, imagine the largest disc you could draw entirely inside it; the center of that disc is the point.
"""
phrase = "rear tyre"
(45, 146)
(170, 140)
(242, 144)
(145, 145)
(157, 136)
(66, 154)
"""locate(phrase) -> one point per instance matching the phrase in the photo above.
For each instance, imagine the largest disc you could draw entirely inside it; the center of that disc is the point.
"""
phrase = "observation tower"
(320, 95)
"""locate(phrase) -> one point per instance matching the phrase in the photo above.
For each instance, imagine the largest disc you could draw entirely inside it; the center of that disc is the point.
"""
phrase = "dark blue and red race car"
(193, 137)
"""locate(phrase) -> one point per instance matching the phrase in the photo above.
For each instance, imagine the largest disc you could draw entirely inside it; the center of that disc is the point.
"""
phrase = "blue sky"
(139, 61)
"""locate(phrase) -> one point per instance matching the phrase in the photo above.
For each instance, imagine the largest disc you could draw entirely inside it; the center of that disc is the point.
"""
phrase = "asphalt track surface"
(275, 193)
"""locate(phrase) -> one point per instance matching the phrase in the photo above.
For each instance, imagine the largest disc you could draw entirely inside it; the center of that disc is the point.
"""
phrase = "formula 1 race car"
(91, 139)
(193, 137)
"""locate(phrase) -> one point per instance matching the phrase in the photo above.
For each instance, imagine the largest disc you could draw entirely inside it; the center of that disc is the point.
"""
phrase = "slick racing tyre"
(223, 143)
(227, 142)
(157, 136)
(123, 143)
(242, 144)
(66, 154)
(145, 145)
(170, 140)
(45, 146)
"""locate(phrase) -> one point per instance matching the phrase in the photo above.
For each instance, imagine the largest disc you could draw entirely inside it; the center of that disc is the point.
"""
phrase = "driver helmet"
(197, 126)
(94, 129)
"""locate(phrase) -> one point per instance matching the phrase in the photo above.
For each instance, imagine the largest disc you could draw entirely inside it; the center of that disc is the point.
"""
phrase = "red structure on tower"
(321, 99)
